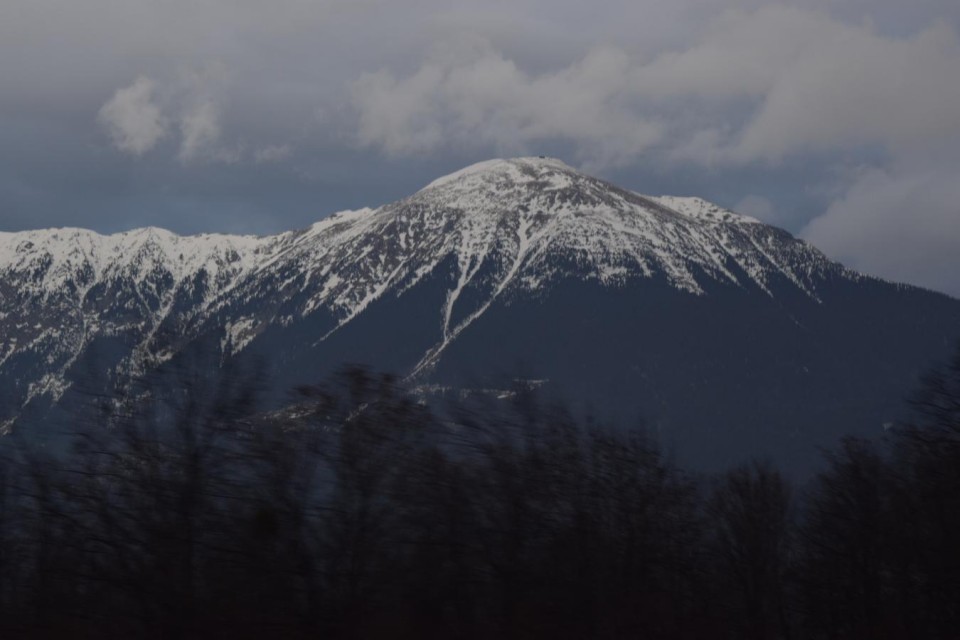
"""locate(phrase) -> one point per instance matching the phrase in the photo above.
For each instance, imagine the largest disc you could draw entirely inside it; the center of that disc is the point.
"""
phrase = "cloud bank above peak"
(757, 86)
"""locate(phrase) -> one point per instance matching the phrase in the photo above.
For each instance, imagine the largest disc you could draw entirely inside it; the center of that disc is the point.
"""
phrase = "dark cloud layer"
(838, 121)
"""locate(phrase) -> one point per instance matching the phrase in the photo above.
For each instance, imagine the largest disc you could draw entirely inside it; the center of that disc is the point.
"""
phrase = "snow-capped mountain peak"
(517, 170)
(489, 233)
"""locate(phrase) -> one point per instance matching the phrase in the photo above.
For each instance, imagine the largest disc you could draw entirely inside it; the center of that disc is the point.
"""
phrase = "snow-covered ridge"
(502, 166)
(700, 209)
(185, 255)
(506, 228)
(58, 254)
(534, 203)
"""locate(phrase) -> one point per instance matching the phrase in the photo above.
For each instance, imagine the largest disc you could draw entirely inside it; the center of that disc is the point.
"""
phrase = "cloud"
(740, 55)
(202, 94)
(134, 122)
(902, 224)
(272, 153)
(779, 82)
(200, 134)
(852, 87)
(758, 207)
(757, 85)
(135, 117)
(476, 97)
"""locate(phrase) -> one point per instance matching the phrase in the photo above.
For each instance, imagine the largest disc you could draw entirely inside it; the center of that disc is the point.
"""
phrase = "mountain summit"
(729, 336)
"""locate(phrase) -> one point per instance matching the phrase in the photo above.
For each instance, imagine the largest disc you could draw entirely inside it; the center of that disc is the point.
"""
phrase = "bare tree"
(750, 517)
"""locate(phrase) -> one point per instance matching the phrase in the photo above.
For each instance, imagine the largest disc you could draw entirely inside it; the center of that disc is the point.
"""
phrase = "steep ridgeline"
(729, 337)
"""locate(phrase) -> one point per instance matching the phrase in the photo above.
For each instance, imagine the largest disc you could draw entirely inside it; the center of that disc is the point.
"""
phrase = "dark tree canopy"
(358, 512)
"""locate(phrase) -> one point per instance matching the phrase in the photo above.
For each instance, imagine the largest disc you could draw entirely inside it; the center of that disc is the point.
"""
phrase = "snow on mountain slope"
(61, 289)
(511, 227)
(700, 209)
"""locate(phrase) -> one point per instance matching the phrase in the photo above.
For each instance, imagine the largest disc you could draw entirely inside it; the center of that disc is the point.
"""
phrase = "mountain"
(726, 336)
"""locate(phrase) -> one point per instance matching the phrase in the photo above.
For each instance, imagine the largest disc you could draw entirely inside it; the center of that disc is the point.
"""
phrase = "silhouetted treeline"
(359, 513)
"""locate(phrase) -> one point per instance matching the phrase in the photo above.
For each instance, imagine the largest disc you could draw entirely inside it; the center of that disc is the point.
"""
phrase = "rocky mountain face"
(725, 336)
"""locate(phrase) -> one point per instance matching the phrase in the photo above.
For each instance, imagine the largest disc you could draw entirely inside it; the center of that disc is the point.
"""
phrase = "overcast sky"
(838, 120)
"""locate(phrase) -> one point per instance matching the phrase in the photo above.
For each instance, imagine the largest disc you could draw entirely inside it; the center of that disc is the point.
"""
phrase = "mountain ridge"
(409, 285)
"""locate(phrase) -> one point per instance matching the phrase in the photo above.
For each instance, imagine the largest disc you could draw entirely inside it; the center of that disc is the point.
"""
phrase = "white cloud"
(902, 224)
(476, 97)
(201, 93)
(757, 85)
(135, 116)
(741, 55)
(133, 120)
(400, 115)
(199, 131)
(856, 88)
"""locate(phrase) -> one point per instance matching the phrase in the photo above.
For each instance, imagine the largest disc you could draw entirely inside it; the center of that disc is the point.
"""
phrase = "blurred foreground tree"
(749, 514)
(927, 462)
(356, 512)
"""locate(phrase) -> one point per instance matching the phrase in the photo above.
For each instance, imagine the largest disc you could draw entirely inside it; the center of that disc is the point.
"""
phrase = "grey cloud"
(809, 83)
(133, 120)
(740, 55)
(475, 96)
(200, 94)
(757, 206)
(200, 134)
(901, 224)
(135, 117)
(806, 82)
(857, 88)
(272, 153)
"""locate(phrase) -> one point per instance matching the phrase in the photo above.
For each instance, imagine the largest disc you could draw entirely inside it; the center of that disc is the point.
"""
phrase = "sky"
(838, 120)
